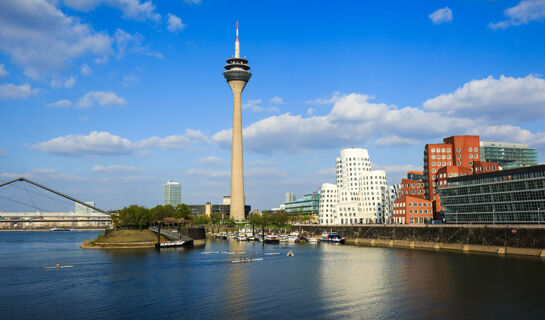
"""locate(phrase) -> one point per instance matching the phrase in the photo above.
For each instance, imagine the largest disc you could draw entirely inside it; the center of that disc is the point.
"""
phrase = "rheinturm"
(237, 75)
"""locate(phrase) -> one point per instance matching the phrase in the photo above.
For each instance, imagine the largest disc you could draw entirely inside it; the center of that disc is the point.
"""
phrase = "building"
(172, 193)
(415, 175)
(209, 208)
(290, 197)
(79, 208)
(413, 188)
(237, 76)
(358, 196)
(460, 154)
(226, 200)
(507, 196)
(412, 210)
(508, 155)
(309, 204)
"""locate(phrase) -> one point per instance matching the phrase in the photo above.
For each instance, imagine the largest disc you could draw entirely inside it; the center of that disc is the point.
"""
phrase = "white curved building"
(361, 194)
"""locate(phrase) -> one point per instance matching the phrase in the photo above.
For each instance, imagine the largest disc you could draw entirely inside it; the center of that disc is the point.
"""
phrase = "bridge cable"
(25, 204)
(28, 193)
(40, 194)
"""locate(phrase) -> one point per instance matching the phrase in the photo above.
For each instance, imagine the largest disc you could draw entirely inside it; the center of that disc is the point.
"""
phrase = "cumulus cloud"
(524, 12)
(392, 141)
(441, 15)
(98, 143)
(101, 98)
(264, 172)
(208, 173)
(67, 83)
(12, 91)
(127, 43)
(509, 133)
(211, 161)
(276, 100)
(129, 79)
(42, 174)
(39, 37)
(334, 98)
(114, 168)
(3, 71)
(85, 70)
(253, 105)
(131, 9)
(125, 179)
(174, 23)
(495, 98)
(64, 103)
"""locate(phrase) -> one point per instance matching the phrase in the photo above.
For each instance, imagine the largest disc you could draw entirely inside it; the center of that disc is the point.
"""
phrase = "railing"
(170, 235)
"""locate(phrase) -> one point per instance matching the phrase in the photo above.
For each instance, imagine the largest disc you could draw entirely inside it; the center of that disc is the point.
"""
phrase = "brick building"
(413, 188)
(412, 210)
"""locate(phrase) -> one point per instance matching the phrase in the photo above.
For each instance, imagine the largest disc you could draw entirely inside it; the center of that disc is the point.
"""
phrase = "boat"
(241, 237)
(173, 244)
(332, 237)
(59, 229)
(292, 238)
(223, 235)
(312, 240)
(232, 236)
(271, 253)
(283, 238)
(290, 254)
(210, 252)
(247, 260)
(272, 239)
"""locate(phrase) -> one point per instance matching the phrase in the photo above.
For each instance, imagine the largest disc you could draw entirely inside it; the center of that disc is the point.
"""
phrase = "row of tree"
(140, 217)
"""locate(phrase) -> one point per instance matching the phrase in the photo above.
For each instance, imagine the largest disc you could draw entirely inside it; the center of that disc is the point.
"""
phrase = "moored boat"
(332, 237)
(173, 244)
(272, 239)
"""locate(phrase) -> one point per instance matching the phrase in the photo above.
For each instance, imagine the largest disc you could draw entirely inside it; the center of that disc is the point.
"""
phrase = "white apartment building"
(172, 193)
(361, 194)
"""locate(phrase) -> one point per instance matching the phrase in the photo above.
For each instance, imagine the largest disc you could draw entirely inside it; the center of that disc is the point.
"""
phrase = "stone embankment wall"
(501, 239)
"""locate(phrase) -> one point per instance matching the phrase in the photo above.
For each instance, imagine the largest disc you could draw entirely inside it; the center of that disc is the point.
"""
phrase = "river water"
(323, 281)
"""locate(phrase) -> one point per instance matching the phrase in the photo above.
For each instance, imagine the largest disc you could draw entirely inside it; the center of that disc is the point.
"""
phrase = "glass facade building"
(508, 155)
(172, 193)
(506, 196)
(309, 204)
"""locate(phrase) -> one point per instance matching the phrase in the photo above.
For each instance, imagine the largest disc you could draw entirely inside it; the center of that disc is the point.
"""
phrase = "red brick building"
(413, 188)
(456, 156)
(412, 210)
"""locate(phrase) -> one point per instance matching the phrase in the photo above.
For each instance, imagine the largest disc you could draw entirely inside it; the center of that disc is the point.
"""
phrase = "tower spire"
(237, 46)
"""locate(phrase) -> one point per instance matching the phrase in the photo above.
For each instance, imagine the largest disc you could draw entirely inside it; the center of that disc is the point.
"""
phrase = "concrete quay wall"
(498, 239)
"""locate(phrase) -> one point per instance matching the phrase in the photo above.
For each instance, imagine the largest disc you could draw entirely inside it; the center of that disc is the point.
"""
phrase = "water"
(324, 281)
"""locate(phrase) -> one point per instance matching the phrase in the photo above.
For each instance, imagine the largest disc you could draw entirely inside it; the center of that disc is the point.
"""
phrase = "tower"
(237, 75)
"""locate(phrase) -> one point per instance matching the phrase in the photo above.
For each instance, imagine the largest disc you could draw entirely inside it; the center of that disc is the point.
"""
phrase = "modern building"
(415, 175)
(507, 196)
(458, 155)
(413, 188)
(209, 208)
(237, 76)
(172, 193)
(508, 155)
(412, 210)
(79, 208)
(309, 204)
(226, 200)
(290, 197)
(358, 196)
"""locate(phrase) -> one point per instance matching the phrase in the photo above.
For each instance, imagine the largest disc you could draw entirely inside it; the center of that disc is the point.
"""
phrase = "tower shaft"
(237, 162)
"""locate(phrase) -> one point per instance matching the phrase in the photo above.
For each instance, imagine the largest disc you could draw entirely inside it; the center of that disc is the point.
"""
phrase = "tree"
(184, 211)
(215, 217)
(202, 219)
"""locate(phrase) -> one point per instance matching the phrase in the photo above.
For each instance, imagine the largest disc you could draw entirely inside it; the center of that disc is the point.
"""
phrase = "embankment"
(497, 239)
(123, 239)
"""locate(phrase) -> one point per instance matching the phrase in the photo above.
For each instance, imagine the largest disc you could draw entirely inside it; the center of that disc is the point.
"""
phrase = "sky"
(106, 100)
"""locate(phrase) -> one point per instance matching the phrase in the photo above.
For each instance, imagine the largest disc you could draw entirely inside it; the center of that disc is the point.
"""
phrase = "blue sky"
(107, 99)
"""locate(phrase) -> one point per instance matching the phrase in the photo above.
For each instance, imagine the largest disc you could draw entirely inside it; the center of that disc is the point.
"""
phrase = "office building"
(309, 204)
(412, 210)
(172, 193)
(226, 200)
(413, 188)
(209, 208)
(508, 155)
(237, 76)
(290, 197)
(415, 175)
(358, 196)
(507, 196)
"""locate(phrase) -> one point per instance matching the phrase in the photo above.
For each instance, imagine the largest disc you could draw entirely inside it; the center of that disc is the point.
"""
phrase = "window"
(433, 157)
(433, 163)
(476, 156)
(458, 156)
(432, 149)
(444, 164)
(470, 149)
(458, 149)
(470, 156)
(442, 149)
(449, 163)
(458, 163)
(448, 149)
(443, 157)
(433, 171)
(476, 149)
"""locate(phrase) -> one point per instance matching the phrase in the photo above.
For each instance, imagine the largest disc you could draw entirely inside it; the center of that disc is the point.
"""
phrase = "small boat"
(283, 238)
(232, 236)
(290, 254)
(332, 237)
(210, 252)
(312, 240)
(241, 237)
(292, 238)
(272, 239)
(59, 229)
(223, 235)
(247, 260)
(271, 253)
(173, 244)
(228, 252)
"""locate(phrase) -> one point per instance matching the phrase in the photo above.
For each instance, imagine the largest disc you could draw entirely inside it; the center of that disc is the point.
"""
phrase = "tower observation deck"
(237, 76)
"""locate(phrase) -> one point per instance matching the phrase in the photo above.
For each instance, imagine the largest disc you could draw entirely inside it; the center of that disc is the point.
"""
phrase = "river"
(324, 281)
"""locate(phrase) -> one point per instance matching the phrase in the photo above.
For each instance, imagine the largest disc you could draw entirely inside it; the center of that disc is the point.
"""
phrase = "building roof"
(500, 173)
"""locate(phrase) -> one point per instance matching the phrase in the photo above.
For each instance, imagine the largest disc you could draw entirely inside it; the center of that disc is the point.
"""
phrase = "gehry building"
(361, 194)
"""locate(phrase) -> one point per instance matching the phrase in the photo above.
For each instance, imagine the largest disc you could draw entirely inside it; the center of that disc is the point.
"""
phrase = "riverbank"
(123, 239)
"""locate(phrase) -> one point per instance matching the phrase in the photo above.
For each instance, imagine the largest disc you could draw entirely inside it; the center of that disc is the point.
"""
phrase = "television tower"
(237, 76)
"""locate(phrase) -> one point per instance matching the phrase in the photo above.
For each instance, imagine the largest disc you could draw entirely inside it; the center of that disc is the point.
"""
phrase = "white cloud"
(334, 98)
(129, 79)
(175, 23)
(64, 103)
(327, 172)
(495, 99)
(193, 1)
(86, 70)
(264, 172)
(99, 143)
(253, 105)
(125, 179)
(39, 37)
(42, 174)
(276, 100)
(509, 133)
(127, 43)
(273, 109)
(12, 91)
(392, 141)
(523, 13)
(67, 83)
(114, 168)
(131, 9)
(441, 15)
(310, 111)
(3, 71)
(208, 173)
(103, 98)
(211, 161)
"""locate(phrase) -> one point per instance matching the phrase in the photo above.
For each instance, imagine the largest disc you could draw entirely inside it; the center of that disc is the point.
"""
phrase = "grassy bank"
(123, 239)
